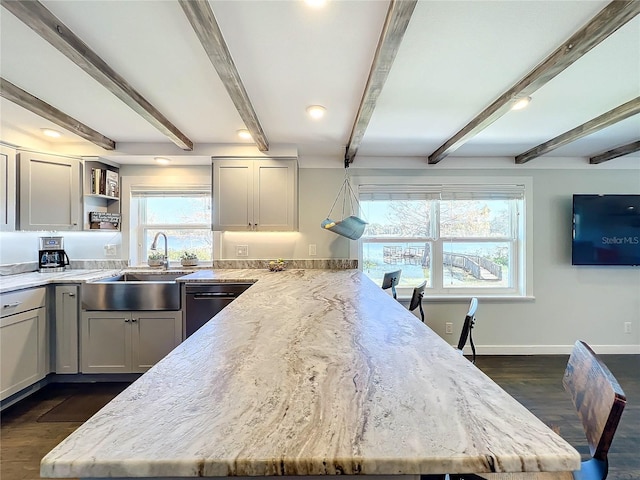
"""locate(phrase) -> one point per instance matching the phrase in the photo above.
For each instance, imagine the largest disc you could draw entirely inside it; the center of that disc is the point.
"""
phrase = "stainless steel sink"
(133, 291)
(145, 277)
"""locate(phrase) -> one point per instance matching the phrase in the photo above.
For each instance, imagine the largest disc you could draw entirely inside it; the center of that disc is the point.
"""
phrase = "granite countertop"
(19, 281)
(310, 372)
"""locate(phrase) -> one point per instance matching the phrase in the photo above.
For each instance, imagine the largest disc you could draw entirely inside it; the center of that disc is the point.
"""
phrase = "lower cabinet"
(66, 324)
(23, 340)
(127, 342)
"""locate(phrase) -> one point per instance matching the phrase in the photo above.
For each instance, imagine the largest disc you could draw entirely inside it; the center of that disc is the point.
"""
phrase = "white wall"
(22, 247)
(588, 303)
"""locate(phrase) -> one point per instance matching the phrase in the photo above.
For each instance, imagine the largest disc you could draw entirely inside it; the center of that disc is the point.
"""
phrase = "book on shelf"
(95, 180)
(112, 184)
(105, 182)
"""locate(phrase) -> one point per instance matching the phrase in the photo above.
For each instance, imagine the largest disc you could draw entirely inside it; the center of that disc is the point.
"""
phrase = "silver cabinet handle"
(11, 305)
(126, 320)
(134, 320)
(72, 294)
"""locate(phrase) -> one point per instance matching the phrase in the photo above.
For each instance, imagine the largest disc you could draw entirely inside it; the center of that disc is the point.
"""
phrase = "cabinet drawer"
(22, 300)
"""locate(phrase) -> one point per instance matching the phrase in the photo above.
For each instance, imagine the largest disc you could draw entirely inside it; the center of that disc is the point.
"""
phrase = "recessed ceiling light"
(316, 3)
(520, 103)
(244, 134)
(51, 133)
(162, 160)
(316, 111)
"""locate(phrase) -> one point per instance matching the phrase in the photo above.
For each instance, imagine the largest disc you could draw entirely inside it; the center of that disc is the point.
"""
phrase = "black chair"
(391, 280)
(599, 401)
(416, 299)
(467, 328)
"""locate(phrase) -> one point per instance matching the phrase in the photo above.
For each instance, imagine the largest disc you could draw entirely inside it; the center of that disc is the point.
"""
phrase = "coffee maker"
(51, 256)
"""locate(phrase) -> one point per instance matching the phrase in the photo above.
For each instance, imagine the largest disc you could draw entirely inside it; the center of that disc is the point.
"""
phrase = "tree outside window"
(465, 242)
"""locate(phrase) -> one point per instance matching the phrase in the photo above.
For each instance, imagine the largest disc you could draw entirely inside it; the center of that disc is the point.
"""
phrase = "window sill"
(465, 298)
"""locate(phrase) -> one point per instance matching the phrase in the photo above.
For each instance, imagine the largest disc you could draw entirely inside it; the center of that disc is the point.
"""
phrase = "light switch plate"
(312, 250)
(242, 250)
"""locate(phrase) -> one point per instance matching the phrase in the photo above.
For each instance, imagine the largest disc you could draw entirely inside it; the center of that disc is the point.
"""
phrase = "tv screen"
(606, 230)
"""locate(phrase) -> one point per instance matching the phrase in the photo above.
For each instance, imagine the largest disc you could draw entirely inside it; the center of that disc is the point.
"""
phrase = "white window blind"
(441, 192)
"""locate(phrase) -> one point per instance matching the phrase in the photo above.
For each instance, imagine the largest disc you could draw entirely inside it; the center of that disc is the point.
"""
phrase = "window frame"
(139, 195)
(522, 246)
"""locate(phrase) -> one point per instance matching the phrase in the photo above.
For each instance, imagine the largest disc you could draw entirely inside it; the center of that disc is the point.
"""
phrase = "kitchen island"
(310, 372)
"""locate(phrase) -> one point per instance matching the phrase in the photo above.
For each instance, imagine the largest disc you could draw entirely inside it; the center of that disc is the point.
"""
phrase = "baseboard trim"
(549, 349)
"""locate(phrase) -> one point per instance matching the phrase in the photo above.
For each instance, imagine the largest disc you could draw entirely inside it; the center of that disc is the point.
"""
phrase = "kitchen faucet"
(165, 261)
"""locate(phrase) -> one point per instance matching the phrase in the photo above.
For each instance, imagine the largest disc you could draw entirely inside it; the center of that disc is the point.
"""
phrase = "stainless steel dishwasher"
(203, 301)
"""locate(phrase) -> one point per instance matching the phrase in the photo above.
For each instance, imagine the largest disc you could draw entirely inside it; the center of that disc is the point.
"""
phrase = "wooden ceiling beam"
(607, 21)
(395, 26)
(204, 23)
(615, 153)
(36, 16)
(605, 120)
(24, 99)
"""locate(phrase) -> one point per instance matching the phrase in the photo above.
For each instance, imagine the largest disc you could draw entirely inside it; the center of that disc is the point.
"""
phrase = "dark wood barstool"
(391, 280)
(599, 401)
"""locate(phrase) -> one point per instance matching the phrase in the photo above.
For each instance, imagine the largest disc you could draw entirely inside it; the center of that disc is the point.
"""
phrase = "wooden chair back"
(597, 396)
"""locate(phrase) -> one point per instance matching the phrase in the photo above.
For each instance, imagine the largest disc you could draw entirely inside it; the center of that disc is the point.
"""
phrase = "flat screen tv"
(606, 230)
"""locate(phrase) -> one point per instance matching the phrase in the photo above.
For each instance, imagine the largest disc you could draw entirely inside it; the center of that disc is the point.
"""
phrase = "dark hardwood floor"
(34, 426)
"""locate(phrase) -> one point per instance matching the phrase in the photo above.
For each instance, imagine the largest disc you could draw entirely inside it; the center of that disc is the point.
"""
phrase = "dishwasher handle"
(209, 295)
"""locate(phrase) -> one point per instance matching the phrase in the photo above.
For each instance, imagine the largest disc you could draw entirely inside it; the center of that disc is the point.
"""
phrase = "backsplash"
(328, 264)
(320, 263)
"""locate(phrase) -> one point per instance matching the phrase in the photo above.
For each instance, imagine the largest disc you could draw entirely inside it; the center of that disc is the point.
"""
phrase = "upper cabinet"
(255, 194)
(49, 197)
(7, 189)
(101, 199)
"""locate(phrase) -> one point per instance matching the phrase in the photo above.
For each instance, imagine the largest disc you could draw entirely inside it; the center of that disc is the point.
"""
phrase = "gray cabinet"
(255, 194)
(127, 342)
(24, 348)
(7, 189)
(49, 192)
(66, 325)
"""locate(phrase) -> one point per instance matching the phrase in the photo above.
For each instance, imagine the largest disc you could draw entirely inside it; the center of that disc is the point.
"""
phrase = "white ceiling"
(455, 59)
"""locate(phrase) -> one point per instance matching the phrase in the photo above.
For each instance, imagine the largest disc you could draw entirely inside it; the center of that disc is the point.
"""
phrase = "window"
(463, 239)
(183, 214)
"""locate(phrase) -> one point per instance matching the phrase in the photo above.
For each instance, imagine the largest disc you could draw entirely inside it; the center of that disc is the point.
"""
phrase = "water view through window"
(463, 243)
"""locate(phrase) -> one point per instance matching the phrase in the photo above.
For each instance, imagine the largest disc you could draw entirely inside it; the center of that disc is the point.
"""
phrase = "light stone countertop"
(310, 372)
(20, 281)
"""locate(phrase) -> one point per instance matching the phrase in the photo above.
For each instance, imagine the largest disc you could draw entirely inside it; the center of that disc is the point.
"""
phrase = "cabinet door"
(49, 192)
(232, 195)
(255, 194)
(106, 342)
(154, 335)
(274, 202)
(66, 342)
(7, 189)
(23, 350)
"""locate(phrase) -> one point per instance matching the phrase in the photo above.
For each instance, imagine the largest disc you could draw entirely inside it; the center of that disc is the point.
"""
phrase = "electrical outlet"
(242, 250)
(312, 250)
(627, 327)
(110, 250)
(448, 328)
